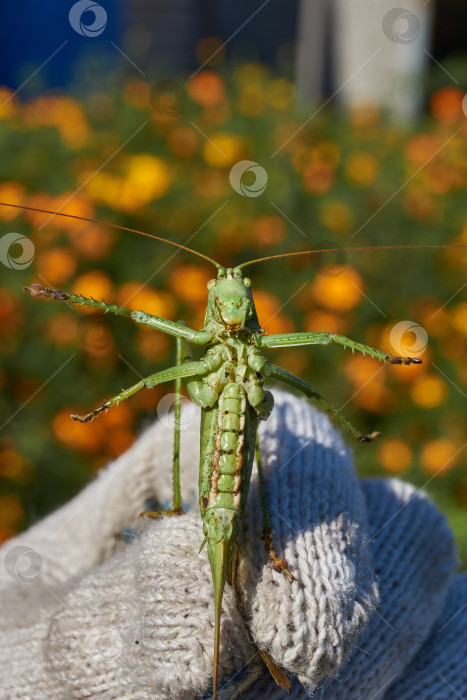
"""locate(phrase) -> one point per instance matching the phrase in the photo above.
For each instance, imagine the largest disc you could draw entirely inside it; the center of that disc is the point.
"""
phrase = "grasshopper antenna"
(340, 250)
(108, 223)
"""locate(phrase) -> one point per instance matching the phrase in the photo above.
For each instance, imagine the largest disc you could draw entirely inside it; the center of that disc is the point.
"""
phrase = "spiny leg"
(291, 339)
(189, 369)
(179, 330)
(278, 563)
(183, 356)
(283, 375)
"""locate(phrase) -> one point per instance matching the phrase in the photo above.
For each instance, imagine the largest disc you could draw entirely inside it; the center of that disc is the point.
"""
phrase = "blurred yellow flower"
(223, 150)
(438, 456)
(9, 103)
(337, 216)
(252, 100)
(459, 317)
(147, 178)
(362, 168)
(339, 293)
(280, 93)
(428, 391)
(364, 115)
(395, 455)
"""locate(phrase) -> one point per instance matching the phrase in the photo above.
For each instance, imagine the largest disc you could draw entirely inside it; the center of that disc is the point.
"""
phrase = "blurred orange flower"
(446, 104)
(270, 315)
(96, 284)
(318, 321)
(152, 345)
(93, 242)
(189, 283)
(77, 436)
(141, 297)
(62, 329)
(339, 293)
(11, 316)
(318, 177)
(11, 464)
(428, 391)
(183, 141)
(13, 193)
(207, 88)
(56, 265)
(9, 103)
(64, 113)
(269, 230)
(438, 456)
(395, 455)
(11, 509)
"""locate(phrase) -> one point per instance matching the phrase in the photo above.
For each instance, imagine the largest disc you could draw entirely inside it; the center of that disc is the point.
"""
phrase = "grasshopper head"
(230, 301)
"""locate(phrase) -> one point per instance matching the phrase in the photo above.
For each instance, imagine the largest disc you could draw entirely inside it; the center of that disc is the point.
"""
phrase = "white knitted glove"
(87, 614)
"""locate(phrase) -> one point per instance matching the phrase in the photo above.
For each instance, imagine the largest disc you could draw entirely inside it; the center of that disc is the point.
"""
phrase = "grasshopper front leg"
(179, 330)
(290, 339)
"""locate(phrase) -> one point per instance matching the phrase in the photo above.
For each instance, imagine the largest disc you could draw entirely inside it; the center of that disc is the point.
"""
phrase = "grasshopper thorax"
(230, 302)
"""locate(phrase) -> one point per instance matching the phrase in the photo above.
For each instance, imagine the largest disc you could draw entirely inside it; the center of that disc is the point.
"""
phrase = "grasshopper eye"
(247, 282)
(211, 284)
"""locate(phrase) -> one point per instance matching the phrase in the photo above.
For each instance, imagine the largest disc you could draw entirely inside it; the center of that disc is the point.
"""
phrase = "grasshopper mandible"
(227, 383)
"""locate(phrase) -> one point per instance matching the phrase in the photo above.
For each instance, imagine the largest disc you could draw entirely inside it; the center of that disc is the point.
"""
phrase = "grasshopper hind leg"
(279, 564)
(183, 356)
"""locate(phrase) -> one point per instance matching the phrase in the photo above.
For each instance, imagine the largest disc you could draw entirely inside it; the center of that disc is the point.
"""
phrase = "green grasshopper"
(227, 383)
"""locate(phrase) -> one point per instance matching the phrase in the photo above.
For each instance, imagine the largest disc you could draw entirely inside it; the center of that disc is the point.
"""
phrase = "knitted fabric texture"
(87, 614)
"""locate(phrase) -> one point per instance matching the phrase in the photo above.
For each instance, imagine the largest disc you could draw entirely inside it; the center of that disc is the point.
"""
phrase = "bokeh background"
(354, 116)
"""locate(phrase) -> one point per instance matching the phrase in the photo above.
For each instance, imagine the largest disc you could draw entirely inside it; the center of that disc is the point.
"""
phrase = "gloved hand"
(97, 603)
